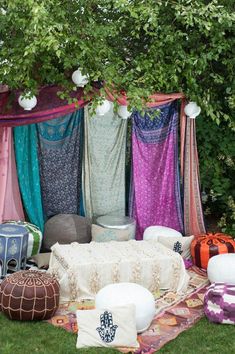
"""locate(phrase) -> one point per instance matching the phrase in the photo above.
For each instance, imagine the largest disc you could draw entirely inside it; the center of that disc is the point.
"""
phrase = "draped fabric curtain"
(10, 200)
(104, 164)
(26, 145)
(155, 192)
(193, 212)
(60, 164)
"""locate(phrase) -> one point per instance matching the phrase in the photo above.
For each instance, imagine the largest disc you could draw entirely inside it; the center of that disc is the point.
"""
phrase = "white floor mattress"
(83, 269)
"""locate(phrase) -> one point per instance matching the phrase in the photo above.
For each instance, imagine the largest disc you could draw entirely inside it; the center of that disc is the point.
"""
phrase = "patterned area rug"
(174, 314)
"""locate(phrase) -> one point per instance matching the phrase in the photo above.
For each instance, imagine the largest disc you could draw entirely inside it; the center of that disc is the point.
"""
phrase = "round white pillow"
(153, 232)
(120, 294)
(221, 268)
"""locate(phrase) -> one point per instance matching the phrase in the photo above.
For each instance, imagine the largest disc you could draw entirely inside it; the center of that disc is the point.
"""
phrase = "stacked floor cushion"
(35, 237)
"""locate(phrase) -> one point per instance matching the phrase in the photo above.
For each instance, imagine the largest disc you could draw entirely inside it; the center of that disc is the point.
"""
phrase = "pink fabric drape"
(10, 201)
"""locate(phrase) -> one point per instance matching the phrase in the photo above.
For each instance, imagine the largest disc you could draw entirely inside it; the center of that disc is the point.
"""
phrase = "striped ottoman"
(219, 303)
(206, 246)
(35, 237)
(29, 295)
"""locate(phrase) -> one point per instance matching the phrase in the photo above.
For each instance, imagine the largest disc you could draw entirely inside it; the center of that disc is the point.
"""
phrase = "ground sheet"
(174, 314)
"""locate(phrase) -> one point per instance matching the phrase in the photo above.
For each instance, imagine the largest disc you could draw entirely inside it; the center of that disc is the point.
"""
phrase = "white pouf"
(153, 232)
(119, 294)
(221, 269)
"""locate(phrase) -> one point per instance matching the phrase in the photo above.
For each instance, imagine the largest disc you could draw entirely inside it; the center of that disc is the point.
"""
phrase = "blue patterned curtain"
(60, 164)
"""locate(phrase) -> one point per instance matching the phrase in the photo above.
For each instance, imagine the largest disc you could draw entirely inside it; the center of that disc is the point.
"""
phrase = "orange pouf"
(205, 246)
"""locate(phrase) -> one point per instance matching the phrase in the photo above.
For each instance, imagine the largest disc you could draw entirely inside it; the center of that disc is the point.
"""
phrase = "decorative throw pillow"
(178, 244)
(114, 327)
(102, 234)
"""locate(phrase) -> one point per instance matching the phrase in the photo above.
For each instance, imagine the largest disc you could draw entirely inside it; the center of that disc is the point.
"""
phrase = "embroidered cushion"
(153, 232)
(113, 327)
(102, 234)
(180, 245)
(219, 303)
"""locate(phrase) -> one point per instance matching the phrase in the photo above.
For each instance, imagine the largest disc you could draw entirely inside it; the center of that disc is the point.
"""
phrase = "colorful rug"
(174, 314)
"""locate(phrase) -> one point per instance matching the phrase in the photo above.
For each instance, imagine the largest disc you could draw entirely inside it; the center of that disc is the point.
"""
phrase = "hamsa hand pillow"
(114, 327)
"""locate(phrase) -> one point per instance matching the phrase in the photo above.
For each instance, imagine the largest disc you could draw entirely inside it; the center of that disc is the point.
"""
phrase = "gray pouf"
(65, 229)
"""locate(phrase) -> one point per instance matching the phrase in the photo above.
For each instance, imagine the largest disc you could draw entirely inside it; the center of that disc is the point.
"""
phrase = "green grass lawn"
(42, 338)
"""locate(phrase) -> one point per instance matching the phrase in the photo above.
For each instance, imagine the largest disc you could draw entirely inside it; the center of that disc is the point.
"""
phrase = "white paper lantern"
(123, 112)
(153, 232)
(27, 103)
(103, 108)
(129, 293)
(192, 110)
(79, 79)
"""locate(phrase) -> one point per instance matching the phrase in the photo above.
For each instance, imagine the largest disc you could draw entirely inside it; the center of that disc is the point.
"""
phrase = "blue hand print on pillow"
(107, 329)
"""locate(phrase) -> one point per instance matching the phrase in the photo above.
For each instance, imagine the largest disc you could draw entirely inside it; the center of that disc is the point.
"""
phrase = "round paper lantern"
(79, 79)
(27, 103)
(129, 293)
(192, 110)
(221, 268)
(103, 108)
(205, 246)
(123, 112)
(153, 232)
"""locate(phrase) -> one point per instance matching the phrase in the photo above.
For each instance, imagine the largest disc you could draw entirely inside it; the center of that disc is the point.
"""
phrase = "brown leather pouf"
(29, 295)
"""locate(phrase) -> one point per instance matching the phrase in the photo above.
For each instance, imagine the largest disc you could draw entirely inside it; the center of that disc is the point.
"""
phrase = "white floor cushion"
(153, 232)
(129, 293)
(221, 268)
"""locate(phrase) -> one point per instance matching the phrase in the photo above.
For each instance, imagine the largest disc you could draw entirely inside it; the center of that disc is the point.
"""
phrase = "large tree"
(141, 47)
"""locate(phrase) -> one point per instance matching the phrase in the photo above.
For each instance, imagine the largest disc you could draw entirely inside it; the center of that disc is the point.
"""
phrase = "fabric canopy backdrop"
(10, 200)
(26, 145)
(60, 163)
(104, 164)
(49, 106)
(155, 193)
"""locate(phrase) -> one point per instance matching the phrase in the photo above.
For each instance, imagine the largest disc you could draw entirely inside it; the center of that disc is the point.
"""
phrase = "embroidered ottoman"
(29, 295)
(13, 248)
(219, 303)
(221, 269)
(205, 246)
(84, 269)
(35, 237)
